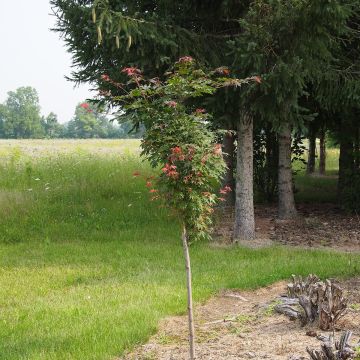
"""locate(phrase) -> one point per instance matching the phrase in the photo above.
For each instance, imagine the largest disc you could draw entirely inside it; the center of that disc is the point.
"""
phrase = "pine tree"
(290, 44)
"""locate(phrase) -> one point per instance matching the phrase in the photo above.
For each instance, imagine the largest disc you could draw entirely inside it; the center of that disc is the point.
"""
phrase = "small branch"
(235, 296)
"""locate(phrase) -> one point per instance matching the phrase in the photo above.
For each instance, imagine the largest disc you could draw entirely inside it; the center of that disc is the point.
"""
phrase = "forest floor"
(320, 226)
(244, 325)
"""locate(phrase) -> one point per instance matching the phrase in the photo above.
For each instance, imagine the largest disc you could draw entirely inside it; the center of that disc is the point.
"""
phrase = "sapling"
(179, 144)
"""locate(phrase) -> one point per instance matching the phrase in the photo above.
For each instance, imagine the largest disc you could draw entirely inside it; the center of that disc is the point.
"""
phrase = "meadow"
(89, 265)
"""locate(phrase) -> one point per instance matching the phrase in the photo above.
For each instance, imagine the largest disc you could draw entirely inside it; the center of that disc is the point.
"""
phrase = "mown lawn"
(88, 265)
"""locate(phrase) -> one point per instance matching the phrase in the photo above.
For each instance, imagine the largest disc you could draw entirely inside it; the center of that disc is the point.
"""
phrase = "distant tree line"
(20, 118)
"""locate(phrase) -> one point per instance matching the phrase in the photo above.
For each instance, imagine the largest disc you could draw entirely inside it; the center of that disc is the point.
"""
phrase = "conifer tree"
(292, 45)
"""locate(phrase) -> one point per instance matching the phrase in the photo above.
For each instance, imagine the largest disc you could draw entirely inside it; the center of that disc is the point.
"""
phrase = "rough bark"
(286, 208)
(346, 158)
(311, 153)
(357, 148)
(322, 161)
(244, 227)
(229, 158)
(272, 163)
(189, 294)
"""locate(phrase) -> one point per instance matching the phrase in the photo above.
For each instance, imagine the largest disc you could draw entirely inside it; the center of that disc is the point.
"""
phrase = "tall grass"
(88, 265)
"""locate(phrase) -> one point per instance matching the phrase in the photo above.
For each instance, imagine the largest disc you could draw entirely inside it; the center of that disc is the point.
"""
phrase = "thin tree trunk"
(244, 228)
(229, 180)
(189, 294)
(322, 161)
(287, 208)
(311, 153)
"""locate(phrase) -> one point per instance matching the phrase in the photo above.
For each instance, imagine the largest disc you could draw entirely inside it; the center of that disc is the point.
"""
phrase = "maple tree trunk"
(286, 208)
(189, 294)
(322, 161)
(229, 180)
(244, 227)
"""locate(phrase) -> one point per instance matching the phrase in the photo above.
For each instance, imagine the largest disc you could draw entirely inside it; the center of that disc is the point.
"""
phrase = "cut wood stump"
(311, 299)
(330, 350)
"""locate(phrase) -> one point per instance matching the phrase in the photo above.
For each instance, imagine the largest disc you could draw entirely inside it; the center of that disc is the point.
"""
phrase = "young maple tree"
(179, 144)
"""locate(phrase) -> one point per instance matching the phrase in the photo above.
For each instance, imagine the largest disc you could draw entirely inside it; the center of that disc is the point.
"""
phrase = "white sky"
(32, 55)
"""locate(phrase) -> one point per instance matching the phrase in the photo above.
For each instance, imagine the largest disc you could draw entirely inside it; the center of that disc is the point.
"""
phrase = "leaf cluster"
(178, 140)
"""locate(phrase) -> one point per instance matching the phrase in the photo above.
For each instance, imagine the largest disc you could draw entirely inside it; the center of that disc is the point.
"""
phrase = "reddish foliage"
(257, 79)
(186, 59)
(217, 149)
(200, 111)
(131, 71)
(85, 106)
(226, 189)
(171, 103)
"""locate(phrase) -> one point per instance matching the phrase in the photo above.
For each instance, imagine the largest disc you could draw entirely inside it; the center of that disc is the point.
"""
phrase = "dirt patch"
(243, 325)
(317, 226)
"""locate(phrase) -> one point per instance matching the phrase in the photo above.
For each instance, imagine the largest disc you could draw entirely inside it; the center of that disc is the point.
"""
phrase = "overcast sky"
(32, 55)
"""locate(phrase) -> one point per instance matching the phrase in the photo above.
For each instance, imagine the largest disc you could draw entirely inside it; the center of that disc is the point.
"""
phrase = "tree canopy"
(21, 114)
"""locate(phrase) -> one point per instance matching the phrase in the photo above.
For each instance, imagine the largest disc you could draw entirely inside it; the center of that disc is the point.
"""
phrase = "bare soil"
(243, 325)
(317, 226)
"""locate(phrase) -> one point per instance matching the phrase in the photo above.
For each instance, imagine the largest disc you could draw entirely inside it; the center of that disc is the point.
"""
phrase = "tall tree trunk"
(229, 158)
(322, 161)
(311, 153)
(357, 147)
(346, 158)
(244, 227)
(272, 164)
(287, 208)
(189, 294)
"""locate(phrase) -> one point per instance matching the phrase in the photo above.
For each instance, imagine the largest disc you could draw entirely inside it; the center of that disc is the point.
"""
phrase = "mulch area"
(242, 325)
(317, 226)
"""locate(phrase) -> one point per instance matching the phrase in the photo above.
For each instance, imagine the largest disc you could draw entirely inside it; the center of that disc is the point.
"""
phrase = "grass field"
(315, 188)
(88, 265)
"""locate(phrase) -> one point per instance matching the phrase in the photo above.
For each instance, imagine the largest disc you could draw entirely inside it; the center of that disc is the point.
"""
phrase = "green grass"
(88, 265)
(316, 188)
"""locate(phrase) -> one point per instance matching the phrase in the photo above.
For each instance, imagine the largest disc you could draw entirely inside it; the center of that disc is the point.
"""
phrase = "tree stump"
(311, 299)
(340, 350)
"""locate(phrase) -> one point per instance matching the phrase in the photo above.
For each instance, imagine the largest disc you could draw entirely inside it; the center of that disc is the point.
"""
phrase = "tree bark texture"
(346, 158)
(287, 209)
(189, 294)
(229, 158)
(357, 148)
(322, 161)
(311, 153)
(244, 227)
(272, 164)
